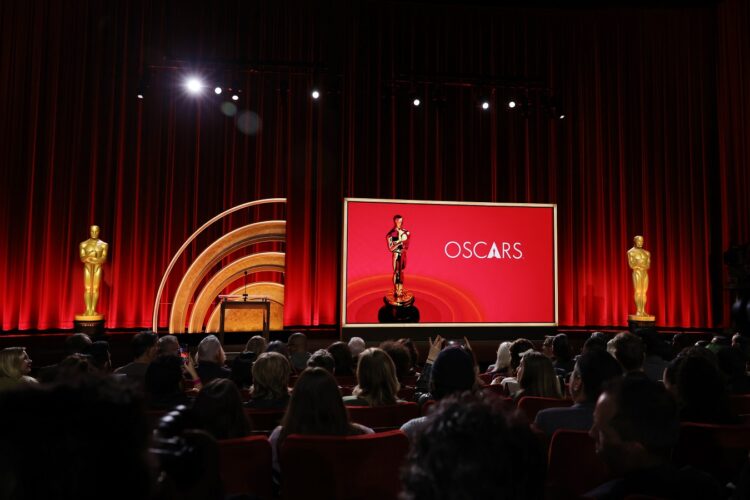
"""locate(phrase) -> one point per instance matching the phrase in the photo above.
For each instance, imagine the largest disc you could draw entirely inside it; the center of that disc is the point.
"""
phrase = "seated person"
(376, 380)
(628, 350)
(732, 363)
(15, 366)
(501, 367)
(472, 447)
(270, 388)
(298, 354)
(315, 408)
(144, 351)
(168, 345)
(563, 354)
(218, 410)
(451, 373)
(78, 343)
(413, 355)
(210, 360)
(636, 425)
(100, 357)
(399, 353)
(343, 360)
(256, 344)
(592, 370)
(163, 383)
(536, 377)
(323, 359)
(517, 348)
(356, 345)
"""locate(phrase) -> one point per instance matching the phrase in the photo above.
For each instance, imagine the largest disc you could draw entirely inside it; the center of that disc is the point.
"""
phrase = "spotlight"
(194, 85)
(416, 102)
(485, 105)
(140, 95)
(315, 94)
(561, 117)
(235, 97)
(217, 90)
(511, 104)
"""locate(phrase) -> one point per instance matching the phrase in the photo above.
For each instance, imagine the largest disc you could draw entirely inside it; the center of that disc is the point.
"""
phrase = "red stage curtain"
(637, 154)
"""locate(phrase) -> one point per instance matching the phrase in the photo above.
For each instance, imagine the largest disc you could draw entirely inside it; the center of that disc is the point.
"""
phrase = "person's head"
(452, 372)
(594, 344)
(536, 376)
(218, 409)
(681, 341)
(502, 361)
(517, 348)
(628, 351)
(398, 221)
(297, 343)
(547, 346)
(741, 342)
(14, 362)
(271, 376)
(638, 241)
(561, 348)
(342, 357)
(210, 351)
(593, 369)
(278, 347)
(635, 424)
(323, 359)
(256, 344)
(144, 346)
(654, 343)
(699, 387)
(85, 441)
(316, 406)
(168, 345)
(376, 378)
(472, 447)
(413, 352)
(100, 357)
(163, 376)
(242, 366)
(94, 232)
(78, 343)
(357, 345)
(75, 367)
(400, 356)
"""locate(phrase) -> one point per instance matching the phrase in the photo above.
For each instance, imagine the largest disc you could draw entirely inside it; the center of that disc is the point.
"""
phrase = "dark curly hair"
(472, 447)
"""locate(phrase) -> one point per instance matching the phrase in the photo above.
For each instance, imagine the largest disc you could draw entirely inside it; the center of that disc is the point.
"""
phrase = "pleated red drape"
(655, 141)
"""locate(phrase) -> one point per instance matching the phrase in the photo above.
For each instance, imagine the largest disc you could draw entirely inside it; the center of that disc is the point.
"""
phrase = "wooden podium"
(244, 302)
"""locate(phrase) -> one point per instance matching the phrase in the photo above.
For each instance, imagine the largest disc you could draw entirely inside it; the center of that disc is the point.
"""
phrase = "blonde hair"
(503, 357)
(376, 378)
(10, 362)
(538, 377)
(271, 376)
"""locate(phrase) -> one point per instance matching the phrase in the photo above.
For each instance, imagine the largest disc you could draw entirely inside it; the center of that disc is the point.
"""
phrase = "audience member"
(628, 351)
(168, 345)
(84, 441)
(342, 357)
(681, 341)
(635, 427)
(242, 366)
(163, 383)
(501, 367)
(472, 447)
(298, 354)
(595, 343)
(315, 408)
(210, 360)
(733, 363)
(547, 346)
(413, 355)
(322, 359)
(399, 353)
(536, 377)
(592, 370)
(256, 344)
(279, 347)
(377, 384)
(100, 357)
(356, 345)
(563, 354)
(78, 343)
(270, 389)
(74, 367)
(657, 353)
(144, 351)
(15, 366)
(218, 410)
(517, 348)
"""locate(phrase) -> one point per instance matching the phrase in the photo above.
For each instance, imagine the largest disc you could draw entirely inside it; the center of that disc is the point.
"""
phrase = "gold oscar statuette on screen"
(397, 240)
(93, 254)
(639, 261)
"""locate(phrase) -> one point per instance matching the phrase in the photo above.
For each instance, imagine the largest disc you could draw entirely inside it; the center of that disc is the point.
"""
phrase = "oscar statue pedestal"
(635, 321)
(91, 325)
(398, 309)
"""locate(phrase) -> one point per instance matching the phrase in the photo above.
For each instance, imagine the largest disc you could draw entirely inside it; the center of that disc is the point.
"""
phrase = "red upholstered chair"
(531, 405)
(739, 404)
(264, 420)
(361, 467)
(720, 450)
(245, 466)
(384, 417)
(573, 467)
(486, 378)
(496, 389)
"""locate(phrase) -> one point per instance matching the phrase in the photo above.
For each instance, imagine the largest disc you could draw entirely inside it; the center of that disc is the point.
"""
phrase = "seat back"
(361, 467)
(264, 420)
(720, 450)
(532, 405)
(245, 466)
(573, 467)
(384, 417)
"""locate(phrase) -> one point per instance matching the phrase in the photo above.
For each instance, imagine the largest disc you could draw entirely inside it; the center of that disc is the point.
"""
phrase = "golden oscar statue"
(397, 240)
(639, 261)
(93, 253)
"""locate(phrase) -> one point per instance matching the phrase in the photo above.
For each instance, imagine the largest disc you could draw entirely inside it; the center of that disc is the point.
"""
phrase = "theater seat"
(245, 466)
(531, 405)
(264, 420)
(720, 450)
(574, 468)
(384, 417)
(361, 467)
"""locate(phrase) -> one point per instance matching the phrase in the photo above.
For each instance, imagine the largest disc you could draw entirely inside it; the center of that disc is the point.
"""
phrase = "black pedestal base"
(94, 329)
(398, 314)
(633, 324)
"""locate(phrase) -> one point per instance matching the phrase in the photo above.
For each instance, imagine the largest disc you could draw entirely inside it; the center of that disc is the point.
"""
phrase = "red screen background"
(453, 290)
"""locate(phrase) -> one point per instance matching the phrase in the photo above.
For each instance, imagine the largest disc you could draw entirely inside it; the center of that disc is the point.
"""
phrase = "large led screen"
(421, 263)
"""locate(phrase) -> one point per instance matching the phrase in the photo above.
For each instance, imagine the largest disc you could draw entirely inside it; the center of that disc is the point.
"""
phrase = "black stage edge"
(494, 333)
